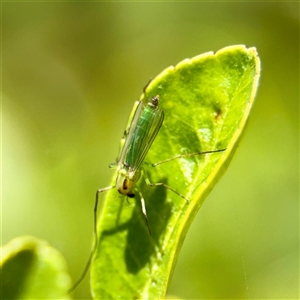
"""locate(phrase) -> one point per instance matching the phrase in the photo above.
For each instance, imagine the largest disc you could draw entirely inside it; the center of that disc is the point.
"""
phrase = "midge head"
(126, 180)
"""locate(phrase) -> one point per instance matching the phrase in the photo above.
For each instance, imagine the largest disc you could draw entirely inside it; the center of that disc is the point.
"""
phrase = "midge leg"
(172, 158)
(186, 155)
(145, 212)
(98, 192)
(164, 185)
(145, 87)
(87, 266)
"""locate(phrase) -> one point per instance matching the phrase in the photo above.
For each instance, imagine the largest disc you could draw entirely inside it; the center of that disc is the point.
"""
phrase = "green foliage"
(206, 101)
(31, 269)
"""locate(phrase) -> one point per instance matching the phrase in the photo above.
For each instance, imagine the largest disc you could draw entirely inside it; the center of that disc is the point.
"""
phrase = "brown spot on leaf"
(218, 113)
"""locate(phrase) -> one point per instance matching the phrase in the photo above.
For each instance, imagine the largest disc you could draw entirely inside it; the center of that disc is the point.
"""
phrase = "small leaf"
(31, 269)
(206, 101)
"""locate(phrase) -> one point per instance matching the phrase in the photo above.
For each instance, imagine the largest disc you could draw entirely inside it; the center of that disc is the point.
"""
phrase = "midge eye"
(125, 184)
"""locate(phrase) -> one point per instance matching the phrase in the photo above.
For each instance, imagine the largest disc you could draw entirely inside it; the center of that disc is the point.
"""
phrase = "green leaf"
(206, 101)
(31, 269)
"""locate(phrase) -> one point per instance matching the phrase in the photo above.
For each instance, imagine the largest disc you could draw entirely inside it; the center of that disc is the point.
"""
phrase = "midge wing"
(134, 115)
(143, 130)
(129, 132)
(156, 120)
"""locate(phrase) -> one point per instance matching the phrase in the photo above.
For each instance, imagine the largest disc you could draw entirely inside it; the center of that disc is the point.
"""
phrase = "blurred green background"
(70, 75)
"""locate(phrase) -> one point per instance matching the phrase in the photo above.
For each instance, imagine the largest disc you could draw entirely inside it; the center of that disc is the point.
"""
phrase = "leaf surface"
(31, 269)
(206, 101)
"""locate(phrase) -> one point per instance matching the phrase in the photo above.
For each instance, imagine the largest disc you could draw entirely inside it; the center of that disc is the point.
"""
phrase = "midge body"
(144, 127)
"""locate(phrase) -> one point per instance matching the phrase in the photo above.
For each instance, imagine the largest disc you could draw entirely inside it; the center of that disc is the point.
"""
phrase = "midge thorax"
(144, 127)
